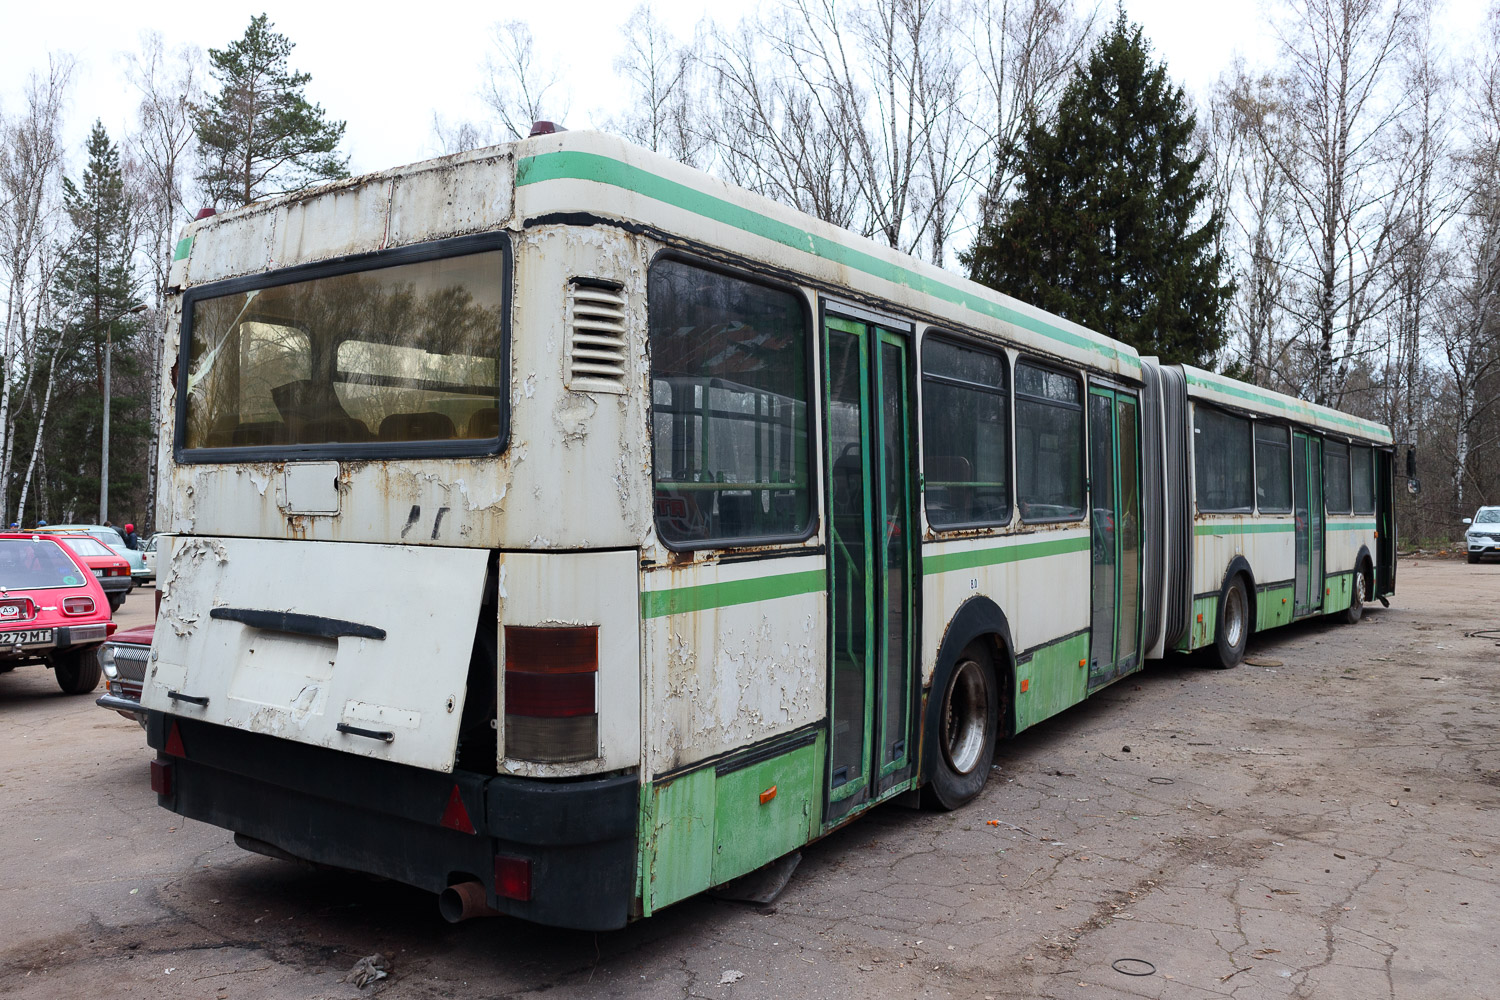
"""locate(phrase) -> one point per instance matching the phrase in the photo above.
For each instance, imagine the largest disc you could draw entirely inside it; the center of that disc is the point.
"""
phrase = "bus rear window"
(27, 564)
(404, 353)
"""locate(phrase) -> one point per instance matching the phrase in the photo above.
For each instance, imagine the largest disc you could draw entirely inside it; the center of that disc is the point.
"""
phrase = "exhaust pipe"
(464, 900)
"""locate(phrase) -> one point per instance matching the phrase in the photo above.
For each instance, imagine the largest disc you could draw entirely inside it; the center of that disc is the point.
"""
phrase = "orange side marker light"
(1200, 617)
(1025, 684)
(768, 795)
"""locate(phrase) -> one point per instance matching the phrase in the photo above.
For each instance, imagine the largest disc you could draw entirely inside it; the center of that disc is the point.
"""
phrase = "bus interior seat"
(259, 433)
(428, 425)
(485, 423)
(329, 429)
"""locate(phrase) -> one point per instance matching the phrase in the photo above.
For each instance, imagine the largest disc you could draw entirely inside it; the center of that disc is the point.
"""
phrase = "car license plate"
(30, 637)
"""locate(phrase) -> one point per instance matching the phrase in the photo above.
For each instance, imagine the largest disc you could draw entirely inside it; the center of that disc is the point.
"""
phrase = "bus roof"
(1220, 389)
(593, 175)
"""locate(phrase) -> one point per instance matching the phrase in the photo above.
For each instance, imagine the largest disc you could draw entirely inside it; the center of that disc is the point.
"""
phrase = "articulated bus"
(566, 532)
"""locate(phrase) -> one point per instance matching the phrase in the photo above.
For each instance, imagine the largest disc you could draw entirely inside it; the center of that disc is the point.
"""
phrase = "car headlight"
(107, 662)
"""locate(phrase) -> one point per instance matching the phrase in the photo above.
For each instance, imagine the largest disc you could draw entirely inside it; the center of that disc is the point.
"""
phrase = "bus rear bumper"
(575, 841)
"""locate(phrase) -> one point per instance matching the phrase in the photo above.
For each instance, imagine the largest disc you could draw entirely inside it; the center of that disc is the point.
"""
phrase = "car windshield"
(86, 546)
(35, 563)
(1488, 515)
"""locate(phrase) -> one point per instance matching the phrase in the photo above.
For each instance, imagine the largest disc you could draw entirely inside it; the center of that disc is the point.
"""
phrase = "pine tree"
(95, 291)
(1105, 229)
(259, 135)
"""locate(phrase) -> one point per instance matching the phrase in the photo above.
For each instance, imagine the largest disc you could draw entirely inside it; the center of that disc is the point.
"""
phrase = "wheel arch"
(1240, 566)
(1363, 559)
(976, 618)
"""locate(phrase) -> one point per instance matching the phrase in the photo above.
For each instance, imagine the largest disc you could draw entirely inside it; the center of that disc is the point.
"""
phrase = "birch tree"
(517, 88)
(31, 158)
(660, 73)
(1345, 173)
(1023, 52)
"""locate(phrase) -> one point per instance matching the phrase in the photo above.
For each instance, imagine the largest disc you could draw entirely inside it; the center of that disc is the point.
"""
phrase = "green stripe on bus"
(657, 603)
(568, 165)
(1365, 427)
(953, 561)
(183, 248)
(1352, 526)
(1240, 529)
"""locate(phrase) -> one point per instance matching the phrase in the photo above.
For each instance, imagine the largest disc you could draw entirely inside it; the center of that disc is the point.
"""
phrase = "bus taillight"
(551, 705)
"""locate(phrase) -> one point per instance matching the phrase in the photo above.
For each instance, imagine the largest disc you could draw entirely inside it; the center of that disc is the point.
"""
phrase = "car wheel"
(1359, 591)
(964, 743)
(77, 670)
(1233, 630)
(1473, 558)
(115, 600)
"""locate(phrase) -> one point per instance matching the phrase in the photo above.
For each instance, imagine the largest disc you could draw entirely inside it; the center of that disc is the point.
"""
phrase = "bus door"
(1115, 499)
(870, 564)
(1385, 525)
(1307, 504)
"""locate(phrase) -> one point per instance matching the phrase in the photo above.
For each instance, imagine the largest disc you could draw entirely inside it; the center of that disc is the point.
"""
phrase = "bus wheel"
(964, 743)
(1357, 595)
(1234, 624)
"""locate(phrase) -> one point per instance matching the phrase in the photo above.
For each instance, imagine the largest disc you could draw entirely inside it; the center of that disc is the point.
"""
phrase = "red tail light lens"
(78, 605)
(551, 693)
(513, 878)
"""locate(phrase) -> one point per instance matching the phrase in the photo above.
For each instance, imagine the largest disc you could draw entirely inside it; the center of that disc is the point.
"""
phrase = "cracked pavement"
(1321, 822)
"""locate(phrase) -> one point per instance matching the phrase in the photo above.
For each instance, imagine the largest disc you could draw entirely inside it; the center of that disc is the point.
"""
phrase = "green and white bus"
(566, 532)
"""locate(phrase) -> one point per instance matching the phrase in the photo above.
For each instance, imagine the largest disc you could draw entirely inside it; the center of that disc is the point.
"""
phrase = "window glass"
(1221, 460)
(965, 435)
(1049, 444)
(728, 407)
(409, 352)
(1336, 477)
(86, 545)
(1361, 481)
(1273, 469)
(27, 565)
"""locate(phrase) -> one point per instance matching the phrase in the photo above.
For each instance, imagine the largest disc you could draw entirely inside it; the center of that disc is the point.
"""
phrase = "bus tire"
(1233, 630)
(1358, 592)
(964, 743)
(77, 671)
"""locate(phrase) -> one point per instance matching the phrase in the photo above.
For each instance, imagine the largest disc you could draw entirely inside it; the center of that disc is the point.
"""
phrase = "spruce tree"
(1107, 227)
(259, 134)
(95, 291)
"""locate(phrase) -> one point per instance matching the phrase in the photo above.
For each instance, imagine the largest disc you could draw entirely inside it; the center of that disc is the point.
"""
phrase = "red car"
(111, 569)
(52, 610)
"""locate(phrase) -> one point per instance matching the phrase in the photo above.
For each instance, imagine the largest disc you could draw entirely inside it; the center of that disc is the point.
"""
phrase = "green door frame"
(1310, 544)
(1105, 668)
(872, 564)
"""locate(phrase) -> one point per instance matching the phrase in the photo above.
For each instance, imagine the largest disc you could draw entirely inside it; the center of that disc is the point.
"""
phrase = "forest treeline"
(1326, 224)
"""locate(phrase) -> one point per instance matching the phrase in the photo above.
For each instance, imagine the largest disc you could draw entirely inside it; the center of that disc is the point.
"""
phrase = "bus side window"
(729, 420)
(1336, 477)
(1273, 469)
(1222, 460)
(1361, 480)
(1049, 444)
(965, 435)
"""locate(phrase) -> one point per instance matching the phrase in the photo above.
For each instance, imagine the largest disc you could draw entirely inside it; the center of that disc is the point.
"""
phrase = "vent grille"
(596, 330)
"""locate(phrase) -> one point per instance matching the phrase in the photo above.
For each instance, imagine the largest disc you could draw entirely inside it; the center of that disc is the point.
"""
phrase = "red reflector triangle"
(174, 742)
(456, 817)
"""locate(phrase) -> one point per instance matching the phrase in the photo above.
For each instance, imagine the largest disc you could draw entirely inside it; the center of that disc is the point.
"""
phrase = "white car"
(1483, 535)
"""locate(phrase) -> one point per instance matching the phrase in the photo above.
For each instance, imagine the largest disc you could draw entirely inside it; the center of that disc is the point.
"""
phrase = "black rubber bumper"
(352, 812)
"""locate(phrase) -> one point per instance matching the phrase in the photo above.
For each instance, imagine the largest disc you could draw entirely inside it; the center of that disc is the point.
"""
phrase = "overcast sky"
(385, 68)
